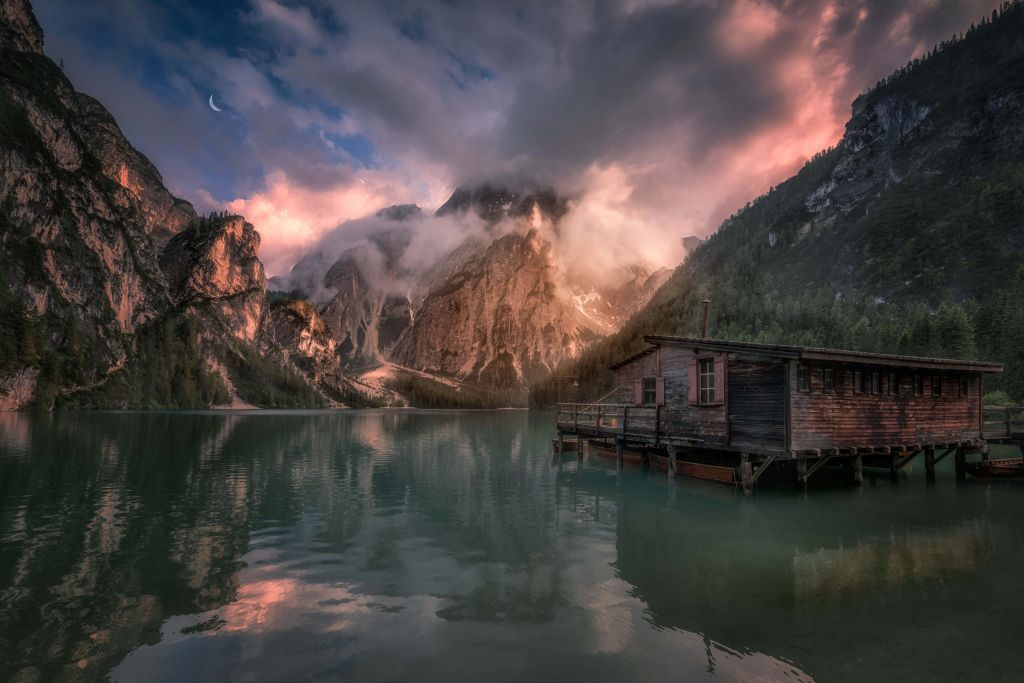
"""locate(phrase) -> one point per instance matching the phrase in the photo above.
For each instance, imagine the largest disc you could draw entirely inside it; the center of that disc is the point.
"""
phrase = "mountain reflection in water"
(420, 544)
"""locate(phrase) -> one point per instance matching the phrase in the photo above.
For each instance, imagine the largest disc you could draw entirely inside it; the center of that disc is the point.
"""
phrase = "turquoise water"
(421, 545)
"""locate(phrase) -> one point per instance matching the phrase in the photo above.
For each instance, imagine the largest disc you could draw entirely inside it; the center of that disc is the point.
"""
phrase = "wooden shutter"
(693, 380)
(720, 379)
(660, 391)
(638, 391)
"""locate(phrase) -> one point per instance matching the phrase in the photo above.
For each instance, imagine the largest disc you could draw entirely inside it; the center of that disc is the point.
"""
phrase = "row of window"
(875, 382)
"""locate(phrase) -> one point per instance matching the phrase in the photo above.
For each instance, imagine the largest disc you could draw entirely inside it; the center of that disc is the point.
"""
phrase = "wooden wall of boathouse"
(844, 417)
(706, 423)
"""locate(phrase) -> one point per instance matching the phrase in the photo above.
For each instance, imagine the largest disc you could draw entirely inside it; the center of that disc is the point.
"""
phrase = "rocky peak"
(165, 215)
(19, 29)
(213, 265)
(400, 212)
(494, 202)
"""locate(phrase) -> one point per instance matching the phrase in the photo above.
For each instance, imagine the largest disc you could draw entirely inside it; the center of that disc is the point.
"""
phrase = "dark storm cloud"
(664, 116)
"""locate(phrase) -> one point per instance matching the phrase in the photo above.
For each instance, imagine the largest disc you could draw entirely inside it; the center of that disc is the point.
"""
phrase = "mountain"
(906, 236)
(113, 292)
(494, 309)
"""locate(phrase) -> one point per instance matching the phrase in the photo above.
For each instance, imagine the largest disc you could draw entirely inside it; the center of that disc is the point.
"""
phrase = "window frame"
(918, 385)
(937, 386)
(828, 380)
(651, 388)
(892, 383)
(858, 381)
(706, 394)
(803, 378)
(876, 382)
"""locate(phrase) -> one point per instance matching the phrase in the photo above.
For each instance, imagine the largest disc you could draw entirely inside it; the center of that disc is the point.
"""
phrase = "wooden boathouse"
(749, 406)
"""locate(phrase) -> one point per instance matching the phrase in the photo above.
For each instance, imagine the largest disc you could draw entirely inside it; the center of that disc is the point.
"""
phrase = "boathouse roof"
(811, 353)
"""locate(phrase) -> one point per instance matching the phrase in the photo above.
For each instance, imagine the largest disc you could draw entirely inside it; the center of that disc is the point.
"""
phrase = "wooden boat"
(1010, 468)
(568, 446)
(630, 456)
(695, 470)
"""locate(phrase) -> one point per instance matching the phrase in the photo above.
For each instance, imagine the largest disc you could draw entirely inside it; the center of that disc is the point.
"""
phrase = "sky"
(659, 118)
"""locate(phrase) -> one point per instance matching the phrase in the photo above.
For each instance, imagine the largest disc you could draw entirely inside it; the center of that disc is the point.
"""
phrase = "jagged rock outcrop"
(19, 29)
(366, 313)
(493, 203)
(213, 266)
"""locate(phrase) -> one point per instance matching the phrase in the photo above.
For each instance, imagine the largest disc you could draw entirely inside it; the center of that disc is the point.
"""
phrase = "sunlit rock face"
(499, 320)
(214, 267)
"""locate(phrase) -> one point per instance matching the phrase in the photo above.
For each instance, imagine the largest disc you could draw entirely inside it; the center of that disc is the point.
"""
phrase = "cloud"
(663, 117)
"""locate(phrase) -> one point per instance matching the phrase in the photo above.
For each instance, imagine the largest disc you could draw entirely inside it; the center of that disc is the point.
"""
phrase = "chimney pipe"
(704, 319)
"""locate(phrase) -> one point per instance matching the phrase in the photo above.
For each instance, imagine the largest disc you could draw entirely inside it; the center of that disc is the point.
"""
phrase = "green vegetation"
(168, 371)
(427, 393)
(928, 265)
(263, 382)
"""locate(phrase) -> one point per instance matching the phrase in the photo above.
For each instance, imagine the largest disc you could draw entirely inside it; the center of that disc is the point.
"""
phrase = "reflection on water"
(427, 545)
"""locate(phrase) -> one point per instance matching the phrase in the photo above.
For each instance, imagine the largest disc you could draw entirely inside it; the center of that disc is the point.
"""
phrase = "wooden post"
(893, 459)
(625, 419)
(657, 425)
(929, 464)
(618, 452)
(801, 471)
(579, 445)
(671, 461)
(746, 474)
(560, 442)
(857, 463)
(961, 460)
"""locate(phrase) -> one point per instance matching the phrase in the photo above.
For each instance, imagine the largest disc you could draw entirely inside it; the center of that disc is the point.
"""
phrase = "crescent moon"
(212, 105)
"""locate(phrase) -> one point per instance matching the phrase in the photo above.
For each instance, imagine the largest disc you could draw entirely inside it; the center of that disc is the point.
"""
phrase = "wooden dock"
(639, 426)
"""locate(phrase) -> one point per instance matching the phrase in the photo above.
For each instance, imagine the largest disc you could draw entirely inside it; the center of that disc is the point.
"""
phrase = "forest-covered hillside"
(905, 237)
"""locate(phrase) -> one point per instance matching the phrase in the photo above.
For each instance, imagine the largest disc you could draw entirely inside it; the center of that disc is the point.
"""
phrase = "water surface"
(421, 545)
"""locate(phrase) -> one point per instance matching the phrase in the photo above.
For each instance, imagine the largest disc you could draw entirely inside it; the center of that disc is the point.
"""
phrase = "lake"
(444, 545)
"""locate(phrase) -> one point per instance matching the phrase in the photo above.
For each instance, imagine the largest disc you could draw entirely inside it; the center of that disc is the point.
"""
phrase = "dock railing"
(610, 418)
(1003, 422)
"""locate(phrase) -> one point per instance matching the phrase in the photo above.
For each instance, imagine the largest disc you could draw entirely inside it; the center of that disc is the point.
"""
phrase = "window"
(918, 385)
(803, 379)
(876, 382)
(828, 379)
(894, 384)
(650, 391)
(706, 369)
(858, 381)
(965, 386)
(936, 385)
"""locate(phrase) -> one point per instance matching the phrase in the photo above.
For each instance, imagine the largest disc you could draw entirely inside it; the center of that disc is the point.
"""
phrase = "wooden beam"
(761, 468)
(815, 467)
(904, 461)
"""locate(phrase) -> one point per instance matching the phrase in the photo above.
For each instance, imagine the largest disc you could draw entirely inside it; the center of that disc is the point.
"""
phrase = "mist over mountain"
(478, 291)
